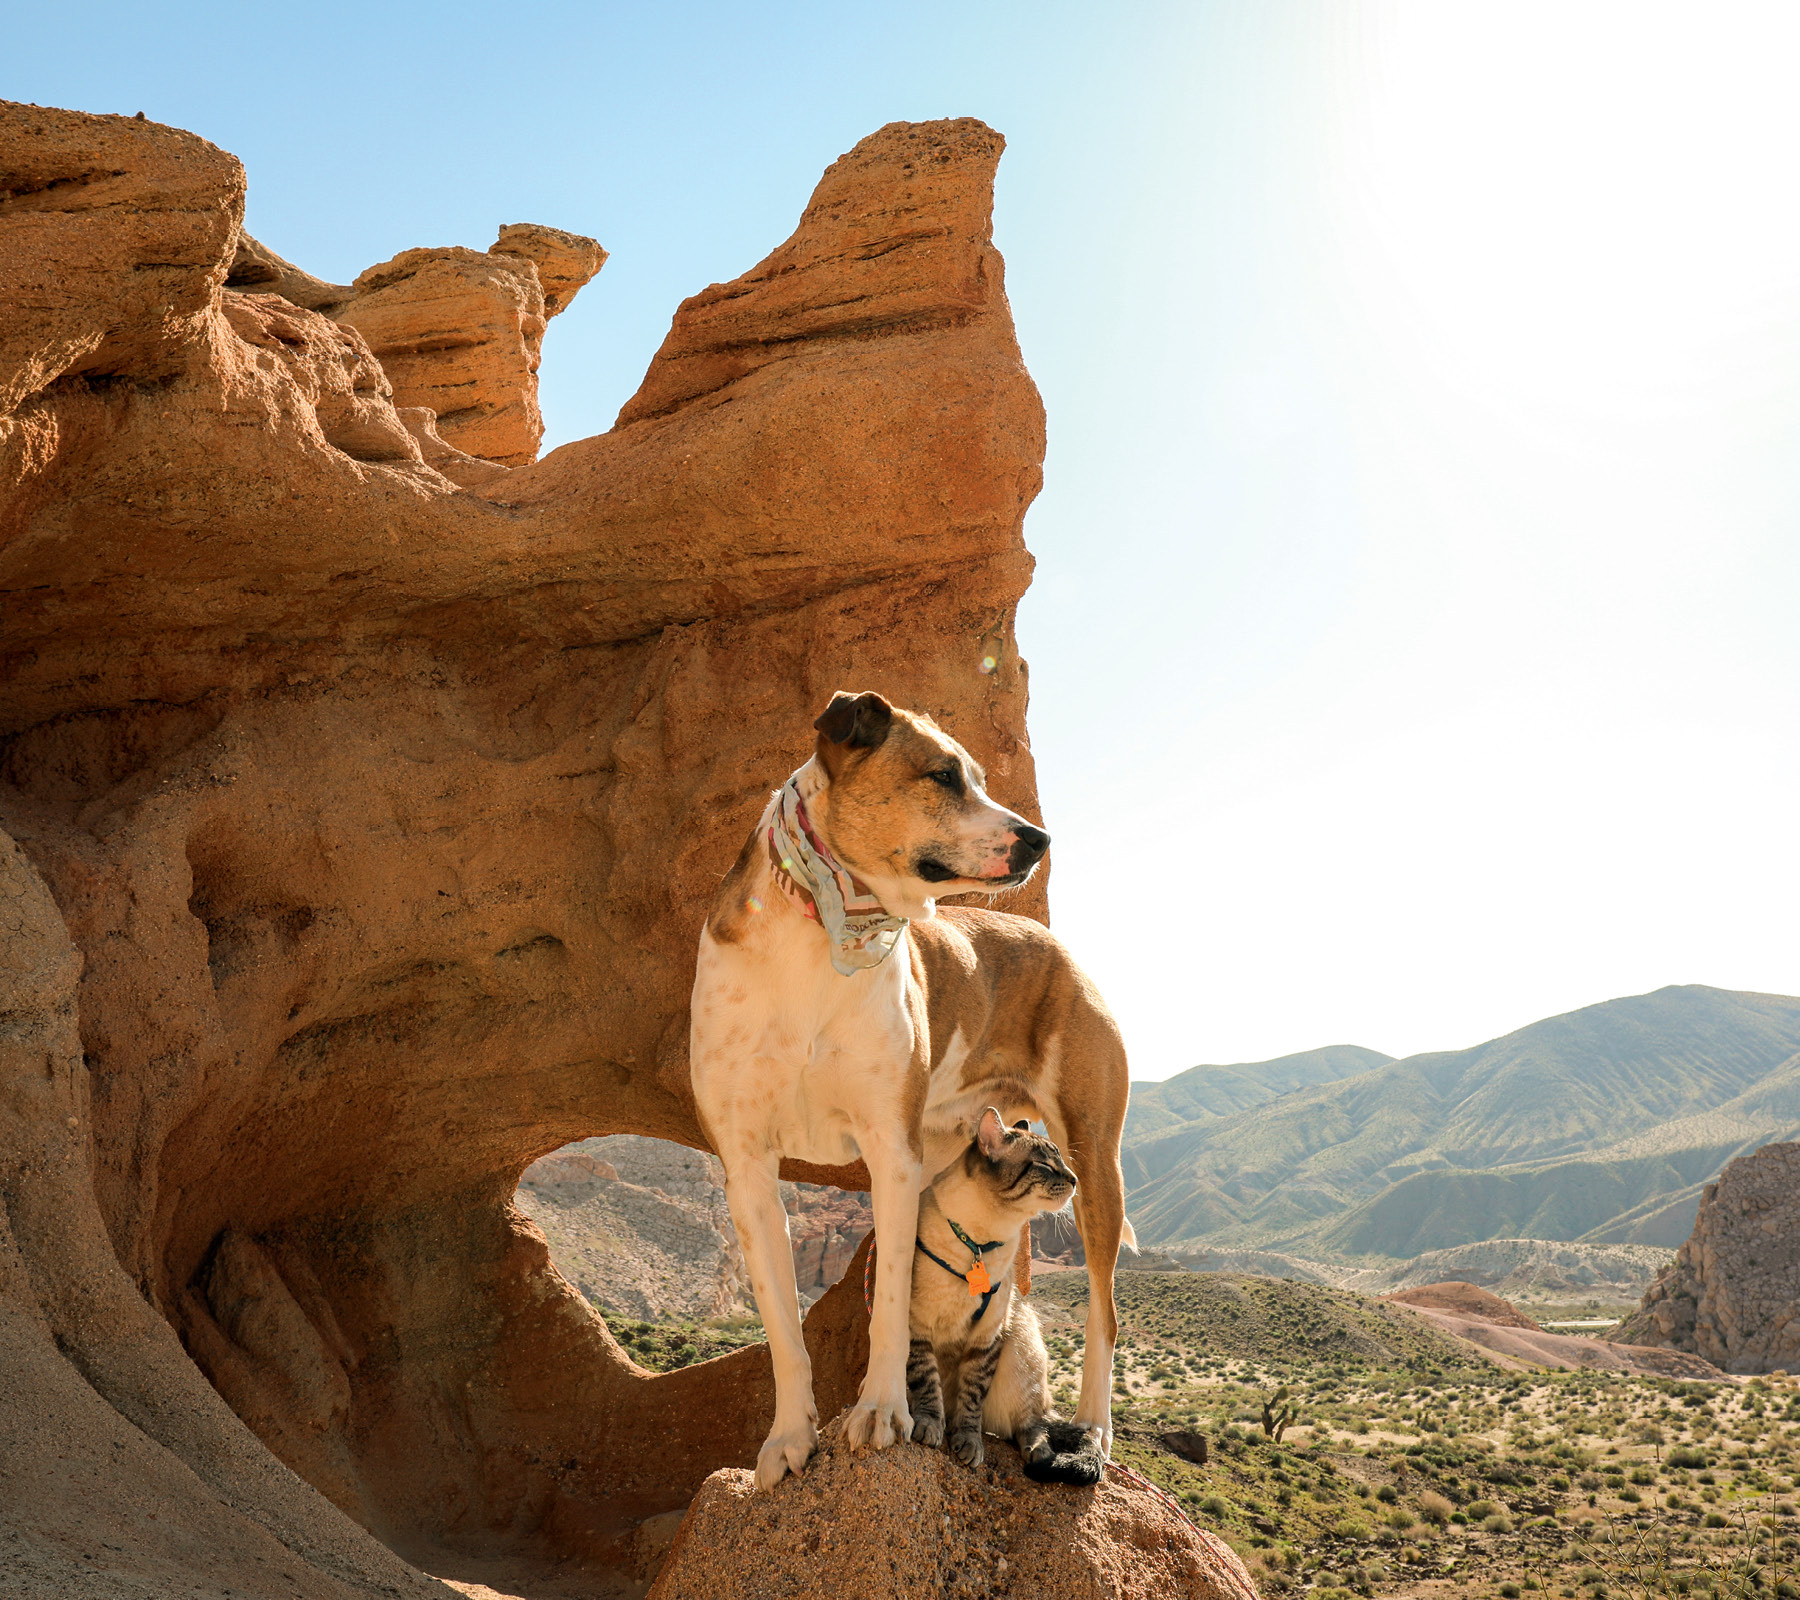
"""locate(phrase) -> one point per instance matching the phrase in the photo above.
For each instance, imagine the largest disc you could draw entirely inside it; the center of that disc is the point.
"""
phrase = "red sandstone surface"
(366, 779)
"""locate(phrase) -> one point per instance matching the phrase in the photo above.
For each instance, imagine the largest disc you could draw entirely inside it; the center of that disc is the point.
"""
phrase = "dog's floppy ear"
(991, 1134)
(856, 721)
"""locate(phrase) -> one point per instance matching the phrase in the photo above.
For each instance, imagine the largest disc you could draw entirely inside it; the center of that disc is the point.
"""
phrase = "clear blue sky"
(1416, 641)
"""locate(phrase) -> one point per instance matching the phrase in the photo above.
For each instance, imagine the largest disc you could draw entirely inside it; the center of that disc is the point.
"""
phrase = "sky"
(1415, 642)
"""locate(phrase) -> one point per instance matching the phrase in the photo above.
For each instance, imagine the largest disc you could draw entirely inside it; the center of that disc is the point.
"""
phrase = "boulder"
(366, 815)
(915, 1524)
(1732, 1293)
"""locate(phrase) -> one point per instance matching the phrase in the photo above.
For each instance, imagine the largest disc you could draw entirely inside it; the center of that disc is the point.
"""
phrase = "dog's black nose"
(1029, 846)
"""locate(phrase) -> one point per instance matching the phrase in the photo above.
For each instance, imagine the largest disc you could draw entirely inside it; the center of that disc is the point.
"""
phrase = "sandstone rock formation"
(926, 1526)
(459, 333)
(365, 821)
(1732, 1293)
(826, 1228)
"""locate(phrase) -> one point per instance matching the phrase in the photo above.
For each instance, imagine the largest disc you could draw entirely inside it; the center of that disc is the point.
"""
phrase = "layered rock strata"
(1732, 1293)
(365, 821)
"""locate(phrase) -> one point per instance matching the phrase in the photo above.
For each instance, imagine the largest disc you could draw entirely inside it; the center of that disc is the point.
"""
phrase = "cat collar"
(981, 1286)
(862, 931)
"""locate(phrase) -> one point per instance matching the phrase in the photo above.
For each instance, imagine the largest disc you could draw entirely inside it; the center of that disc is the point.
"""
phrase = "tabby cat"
(978, 1359)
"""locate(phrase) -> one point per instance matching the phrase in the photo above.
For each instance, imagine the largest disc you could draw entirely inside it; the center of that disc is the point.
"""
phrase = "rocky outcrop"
(1732, 1293)
(825, 1227)
(926, 1526)
(458, 333)
(365, 820)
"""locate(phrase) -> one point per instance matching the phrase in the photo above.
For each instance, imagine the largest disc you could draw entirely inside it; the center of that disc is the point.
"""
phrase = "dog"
(837, 1014)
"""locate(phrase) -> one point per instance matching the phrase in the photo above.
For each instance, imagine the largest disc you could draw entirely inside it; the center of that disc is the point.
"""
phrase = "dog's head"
(906, 810)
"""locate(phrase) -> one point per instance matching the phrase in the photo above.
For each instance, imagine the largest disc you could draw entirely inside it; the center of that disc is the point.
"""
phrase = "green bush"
(1478, 1510)
(1496, 1524)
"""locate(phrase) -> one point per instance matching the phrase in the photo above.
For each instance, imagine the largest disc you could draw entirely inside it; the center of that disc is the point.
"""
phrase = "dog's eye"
(948, 778)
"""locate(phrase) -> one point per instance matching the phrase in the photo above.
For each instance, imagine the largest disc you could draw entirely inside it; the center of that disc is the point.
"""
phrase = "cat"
(978, 1360)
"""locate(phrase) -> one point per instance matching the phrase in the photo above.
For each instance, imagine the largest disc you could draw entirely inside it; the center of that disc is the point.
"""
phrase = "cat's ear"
(991, 1134)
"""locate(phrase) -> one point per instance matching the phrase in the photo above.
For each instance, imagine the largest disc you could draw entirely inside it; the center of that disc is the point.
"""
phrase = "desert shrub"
(1477, 1510)
(1350, 1528)
(1496, 1524)
(1214, 1506)
(1400, 1519)
(1642, 1475)
(1686, 1456)
(1387, 1494)
(1509, 1591)
(1714, 1519)
(1631, 1497)
(1434, 1508)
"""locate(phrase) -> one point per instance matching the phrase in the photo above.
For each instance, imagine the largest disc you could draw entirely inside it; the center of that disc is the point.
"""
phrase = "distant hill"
(1249, 1318)
(1600, 1125)
(1202, 1094)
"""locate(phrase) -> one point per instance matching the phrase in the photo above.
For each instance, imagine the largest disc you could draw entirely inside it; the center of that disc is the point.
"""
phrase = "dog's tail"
(1129, 1234)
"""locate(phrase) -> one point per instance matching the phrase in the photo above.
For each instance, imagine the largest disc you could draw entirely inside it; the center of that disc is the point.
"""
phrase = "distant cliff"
(1732, 1294)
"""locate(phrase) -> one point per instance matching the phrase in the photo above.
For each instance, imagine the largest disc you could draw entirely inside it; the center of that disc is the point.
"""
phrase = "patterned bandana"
(861, 931)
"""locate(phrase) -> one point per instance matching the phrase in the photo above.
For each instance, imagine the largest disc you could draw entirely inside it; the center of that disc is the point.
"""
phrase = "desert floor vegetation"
(1414, 1469)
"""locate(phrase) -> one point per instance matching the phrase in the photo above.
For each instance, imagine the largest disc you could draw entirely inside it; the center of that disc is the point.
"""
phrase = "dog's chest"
(796, 1053)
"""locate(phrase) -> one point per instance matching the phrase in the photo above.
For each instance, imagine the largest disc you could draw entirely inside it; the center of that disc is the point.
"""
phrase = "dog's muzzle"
(1029, 847)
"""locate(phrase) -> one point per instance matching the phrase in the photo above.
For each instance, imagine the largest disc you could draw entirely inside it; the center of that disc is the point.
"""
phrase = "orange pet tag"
(978, 1280)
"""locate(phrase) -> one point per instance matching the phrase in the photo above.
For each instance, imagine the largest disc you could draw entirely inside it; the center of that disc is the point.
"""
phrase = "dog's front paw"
(928, 1430)
(876, 1424)
(785, 1450)
(968, 1448)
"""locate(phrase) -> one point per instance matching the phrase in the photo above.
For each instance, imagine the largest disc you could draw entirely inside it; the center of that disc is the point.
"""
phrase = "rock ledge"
(911, 1523)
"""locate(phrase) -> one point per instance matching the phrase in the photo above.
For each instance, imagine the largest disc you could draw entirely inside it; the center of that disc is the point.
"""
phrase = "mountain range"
(1599, 1126)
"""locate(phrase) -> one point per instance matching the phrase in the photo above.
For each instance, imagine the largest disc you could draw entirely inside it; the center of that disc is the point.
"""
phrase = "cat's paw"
(786, 1450)
(875, 1424)
(968, 1448)
(928, 1430)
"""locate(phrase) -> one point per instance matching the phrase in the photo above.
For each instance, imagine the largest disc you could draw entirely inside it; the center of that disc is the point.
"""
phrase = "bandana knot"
(862, 931)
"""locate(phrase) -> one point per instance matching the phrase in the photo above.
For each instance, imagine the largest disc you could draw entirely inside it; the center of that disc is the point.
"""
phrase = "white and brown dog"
(837, 1015)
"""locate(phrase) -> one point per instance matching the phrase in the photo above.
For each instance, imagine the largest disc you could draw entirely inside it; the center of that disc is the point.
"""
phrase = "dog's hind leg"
(1100, 1215)
(880, 1416)
(1088, 1129)
(753, 1192)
